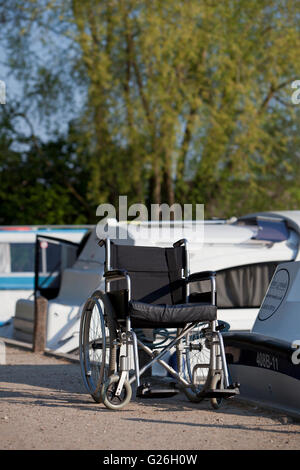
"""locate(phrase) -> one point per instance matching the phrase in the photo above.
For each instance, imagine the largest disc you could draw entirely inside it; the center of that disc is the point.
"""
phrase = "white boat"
(266, 361)
(244, 252)
(17, 261)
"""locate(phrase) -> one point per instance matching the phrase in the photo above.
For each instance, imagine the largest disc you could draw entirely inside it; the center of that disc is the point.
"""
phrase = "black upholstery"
(175, 315)
(155, 273)
(158, 291)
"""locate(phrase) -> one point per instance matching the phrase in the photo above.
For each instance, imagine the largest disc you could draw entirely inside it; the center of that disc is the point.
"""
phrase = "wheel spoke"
(96, 340)
(195, 360)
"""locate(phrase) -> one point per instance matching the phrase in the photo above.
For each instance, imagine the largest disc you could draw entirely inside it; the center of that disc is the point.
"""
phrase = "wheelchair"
(146, 288)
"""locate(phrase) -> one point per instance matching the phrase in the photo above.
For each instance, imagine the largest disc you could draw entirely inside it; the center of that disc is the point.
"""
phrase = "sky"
(43, 125)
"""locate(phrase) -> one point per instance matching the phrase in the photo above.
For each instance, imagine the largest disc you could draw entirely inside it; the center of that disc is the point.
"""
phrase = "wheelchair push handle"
(181, 242)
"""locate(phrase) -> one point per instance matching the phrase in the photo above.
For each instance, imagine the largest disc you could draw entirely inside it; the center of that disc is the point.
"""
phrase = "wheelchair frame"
(217, 385)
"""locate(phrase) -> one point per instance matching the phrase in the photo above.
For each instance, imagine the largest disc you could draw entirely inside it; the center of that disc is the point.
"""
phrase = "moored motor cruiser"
(266, 361)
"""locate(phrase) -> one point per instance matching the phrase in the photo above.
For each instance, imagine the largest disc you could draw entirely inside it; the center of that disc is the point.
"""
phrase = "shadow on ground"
(62, 377)
(59, 385)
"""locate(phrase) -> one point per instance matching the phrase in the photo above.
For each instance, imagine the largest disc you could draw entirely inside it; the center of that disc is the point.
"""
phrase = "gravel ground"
(44, 406)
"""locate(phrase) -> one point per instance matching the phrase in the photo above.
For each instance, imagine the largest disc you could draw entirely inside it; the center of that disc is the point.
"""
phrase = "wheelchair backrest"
(156, 274)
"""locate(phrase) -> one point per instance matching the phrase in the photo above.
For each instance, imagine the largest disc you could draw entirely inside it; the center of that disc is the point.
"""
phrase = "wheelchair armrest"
(119, 275)
(205, 276)
(116, 274)
(201, 276)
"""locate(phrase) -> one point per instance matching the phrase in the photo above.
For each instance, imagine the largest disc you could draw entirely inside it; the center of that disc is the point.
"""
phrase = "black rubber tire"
(190, 358)
(112, 402)
(97, 326)
(216, 385)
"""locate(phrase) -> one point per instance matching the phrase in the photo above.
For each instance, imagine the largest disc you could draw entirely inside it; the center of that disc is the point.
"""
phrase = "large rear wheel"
(194, 359)
(216, 384)
(97, 345)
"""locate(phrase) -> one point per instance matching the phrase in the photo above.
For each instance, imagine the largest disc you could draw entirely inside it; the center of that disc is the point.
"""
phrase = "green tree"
(40, 183)
(182, 100)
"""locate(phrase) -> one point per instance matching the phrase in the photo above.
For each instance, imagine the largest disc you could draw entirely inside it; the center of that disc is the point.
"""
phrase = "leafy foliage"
(179, 101)
(42, 184)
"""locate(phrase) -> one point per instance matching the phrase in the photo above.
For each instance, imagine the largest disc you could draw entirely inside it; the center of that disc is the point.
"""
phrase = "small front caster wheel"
(108, 393)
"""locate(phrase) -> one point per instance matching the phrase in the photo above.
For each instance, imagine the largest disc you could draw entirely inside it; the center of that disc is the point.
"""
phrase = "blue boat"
(18, 246)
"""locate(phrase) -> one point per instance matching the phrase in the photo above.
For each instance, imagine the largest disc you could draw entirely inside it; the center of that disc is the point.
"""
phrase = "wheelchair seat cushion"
(171, 315)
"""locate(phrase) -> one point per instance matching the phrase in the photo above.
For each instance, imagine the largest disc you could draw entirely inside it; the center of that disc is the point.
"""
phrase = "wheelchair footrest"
(221, 393)
(150, 391)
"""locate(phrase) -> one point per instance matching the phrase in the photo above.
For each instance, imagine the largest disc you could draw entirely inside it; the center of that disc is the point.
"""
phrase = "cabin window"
(49, 257)
(54, 257)
(22, 257)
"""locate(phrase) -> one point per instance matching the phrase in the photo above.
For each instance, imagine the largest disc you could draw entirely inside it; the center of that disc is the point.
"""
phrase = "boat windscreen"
(272, 230)
(267, 228)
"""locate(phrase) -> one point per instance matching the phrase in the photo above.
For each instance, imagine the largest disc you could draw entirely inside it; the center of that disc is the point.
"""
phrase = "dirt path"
(45, 406)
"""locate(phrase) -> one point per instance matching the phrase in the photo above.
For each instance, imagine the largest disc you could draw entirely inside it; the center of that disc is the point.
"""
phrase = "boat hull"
(265, 370)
